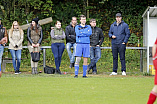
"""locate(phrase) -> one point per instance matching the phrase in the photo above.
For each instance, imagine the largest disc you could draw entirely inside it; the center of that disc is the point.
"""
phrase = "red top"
(155, 56)
(156, 41)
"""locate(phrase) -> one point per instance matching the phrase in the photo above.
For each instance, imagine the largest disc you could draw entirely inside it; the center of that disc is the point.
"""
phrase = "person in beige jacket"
(35, 36)
(15, 45)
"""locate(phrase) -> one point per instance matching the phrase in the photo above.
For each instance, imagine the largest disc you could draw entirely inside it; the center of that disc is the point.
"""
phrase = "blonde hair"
(12, 28)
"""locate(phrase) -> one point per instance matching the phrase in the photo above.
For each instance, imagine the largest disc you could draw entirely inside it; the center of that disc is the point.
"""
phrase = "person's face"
(74, 21)
(0, 22)
(58, 25)
(83, 20)
(16, 26)
(118, 19)
(93, 23)
(33, 23)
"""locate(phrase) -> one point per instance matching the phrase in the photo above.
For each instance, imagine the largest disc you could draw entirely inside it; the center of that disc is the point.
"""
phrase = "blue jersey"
(83, 34)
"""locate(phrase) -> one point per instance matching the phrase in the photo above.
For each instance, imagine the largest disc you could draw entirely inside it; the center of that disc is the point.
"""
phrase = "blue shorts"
(82, 49)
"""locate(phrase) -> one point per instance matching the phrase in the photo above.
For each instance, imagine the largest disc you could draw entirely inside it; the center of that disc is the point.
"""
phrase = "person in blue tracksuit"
(83, 33)
(119, 33)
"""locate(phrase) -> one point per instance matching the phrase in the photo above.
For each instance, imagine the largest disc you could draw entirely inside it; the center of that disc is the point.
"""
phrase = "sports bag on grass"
(35, 56)
(49, 70)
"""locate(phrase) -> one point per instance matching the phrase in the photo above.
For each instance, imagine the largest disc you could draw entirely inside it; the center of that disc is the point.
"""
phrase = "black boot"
(36, 71)
(33, 71)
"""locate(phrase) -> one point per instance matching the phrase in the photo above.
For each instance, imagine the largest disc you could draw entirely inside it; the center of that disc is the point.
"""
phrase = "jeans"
(118, 48)
(14, 54)
(1, 54)
(95, 55)
(57, 50)
(71, 55)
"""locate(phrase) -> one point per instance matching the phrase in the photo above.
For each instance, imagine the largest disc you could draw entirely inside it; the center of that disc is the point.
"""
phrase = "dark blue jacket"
(121, 32)
(83, 34)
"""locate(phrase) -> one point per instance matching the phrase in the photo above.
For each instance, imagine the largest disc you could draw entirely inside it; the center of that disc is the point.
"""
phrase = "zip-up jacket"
(70, 34)
(33, 36)
(121, 32)
(83, 34)
(97, 37)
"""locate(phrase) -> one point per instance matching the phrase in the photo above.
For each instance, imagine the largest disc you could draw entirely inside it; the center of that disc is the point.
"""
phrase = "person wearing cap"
(16, 36)
(119, 33)
(35, 36)
(3, 41)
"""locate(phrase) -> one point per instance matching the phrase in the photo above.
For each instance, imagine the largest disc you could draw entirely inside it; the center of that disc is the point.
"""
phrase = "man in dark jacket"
(119, 33)
(96, 39)
(71, 40)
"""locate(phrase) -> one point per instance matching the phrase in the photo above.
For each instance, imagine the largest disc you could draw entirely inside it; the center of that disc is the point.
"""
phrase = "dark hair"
(82, 16)
(36, 29)
(91, 20)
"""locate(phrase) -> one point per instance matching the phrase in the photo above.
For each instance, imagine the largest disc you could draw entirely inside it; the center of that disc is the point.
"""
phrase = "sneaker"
(76, 76)
(113, 73)
(58, 71)
(71, 65)
(94, 73)
(85, 77)
(19, 72)
(16, 72)
(123, 73)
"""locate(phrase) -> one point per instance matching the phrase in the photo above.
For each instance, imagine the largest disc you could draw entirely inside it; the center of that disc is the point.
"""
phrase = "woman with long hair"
(35, 36)
(57, 44)
(15, 45)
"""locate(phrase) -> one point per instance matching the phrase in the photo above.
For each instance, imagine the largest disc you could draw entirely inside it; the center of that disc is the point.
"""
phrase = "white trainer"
(123, 73)
(113, 73)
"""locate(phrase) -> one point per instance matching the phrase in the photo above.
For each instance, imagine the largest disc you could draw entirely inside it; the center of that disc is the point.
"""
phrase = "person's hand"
(113, 36)
(3, 40)
(16, 46)
(123, 43)
(33, 45)
(98, 45)
(37, 45)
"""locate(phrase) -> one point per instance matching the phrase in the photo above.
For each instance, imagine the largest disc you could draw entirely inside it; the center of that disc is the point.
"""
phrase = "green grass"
(64, 89)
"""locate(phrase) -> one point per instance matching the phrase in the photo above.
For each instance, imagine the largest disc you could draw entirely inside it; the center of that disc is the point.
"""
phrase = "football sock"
(84, 69)
(76, 69)
(152, 97)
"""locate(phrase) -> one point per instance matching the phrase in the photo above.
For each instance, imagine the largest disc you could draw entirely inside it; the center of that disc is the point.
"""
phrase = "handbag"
(35, 56)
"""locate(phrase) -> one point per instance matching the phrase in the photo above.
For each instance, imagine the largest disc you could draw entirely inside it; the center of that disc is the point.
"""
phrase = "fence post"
(44, 58)
(141, 60)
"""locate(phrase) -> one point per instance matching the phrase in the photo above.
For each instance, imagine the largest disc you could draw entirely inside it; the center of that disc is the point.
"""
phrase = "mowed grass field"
(64, 89)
